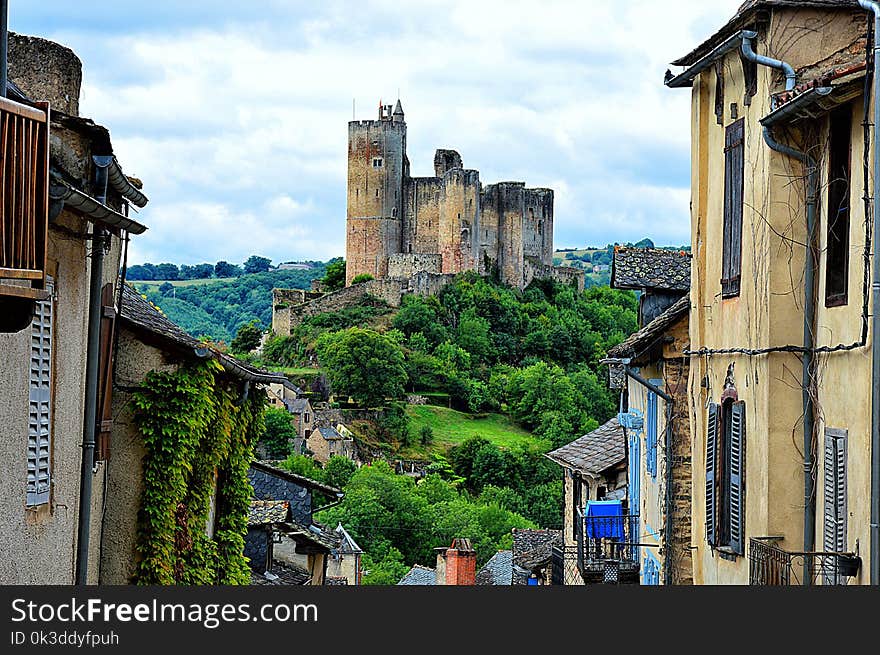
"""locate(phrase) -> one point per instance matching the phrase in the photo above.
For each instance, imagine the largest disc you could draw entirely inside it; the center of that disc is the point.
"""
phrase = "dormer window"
(377, 162)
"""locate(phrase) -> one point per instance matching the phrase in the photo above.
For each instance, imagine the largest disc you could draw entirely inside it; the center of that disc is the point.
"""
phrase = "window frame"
(842, 197)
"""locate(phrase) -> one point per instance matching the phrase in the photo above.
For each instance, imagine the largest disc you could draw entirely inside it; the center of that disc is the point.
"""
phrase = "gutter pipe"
(808, 357)
(686, 78)
(91, 406)
(874, 7)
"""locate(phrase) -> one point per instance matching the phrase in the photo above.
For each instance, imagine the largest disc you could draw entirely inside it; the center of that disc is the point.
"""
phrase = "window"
(834, 474)
(725, 488)
(635, 460)
(576, 503)
(734, 167)
(837, 252)
(306, 417)
(39, 456)
(377, 162)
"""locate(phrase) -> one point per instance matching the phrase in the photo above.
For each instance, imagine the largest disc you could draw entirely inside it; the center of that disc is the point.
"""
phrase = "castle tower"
(377, 167)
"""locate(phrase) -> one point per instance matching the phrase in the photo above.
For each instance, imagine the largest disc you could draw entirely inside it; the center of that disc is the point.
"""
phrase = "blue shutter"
(737, 490)
(634, 473)
(652, 430)
(711, 460)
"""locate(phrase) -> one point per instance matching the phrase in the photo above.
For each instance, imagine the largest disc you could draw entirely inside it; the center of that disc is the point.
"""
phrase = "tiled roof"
(651, 268)
(419, 575)
(281, 573)
(335, 580)
(498, 570)
(272, 469)
(594, 452)
(314, 534)
(533, 548)
(140, 314)
(640, 341)
(330, 434)
(267, 512)
(298, 405)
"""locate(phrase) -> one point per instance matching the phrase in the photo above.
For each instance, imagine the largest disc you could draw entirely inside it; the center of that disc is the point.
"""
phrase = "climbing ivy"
(199, 437)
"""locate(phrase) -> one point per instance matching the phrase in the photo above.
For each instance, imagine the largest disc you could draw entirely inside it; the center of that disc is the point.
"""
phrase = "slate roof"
(267, 512)
(419, 575)
(143, 316)
(315, 534)
(270, 468)
(498, 571)
(298, 405)
(744, 16)
(641, 341)
(651, 268)
(281, 573)
(335, 580)
(533, 548)
(330, 434)
(595, 452)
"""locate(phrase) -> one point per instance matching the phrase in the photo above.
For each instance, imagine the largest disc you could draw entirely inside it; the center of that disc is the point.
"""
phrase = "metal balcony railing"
(771, 565)
(24, 197)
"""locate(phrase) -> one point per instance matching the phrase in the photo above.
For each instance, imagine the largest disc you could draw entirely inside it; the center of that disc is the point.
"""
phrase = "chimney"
(461, 563)
(440, 569)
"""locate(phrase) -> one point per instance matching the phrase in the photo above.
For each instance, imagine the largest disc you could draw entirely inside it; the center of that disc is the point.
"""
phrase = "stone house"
(299, 543)
(146, 341)
(456, 565)
(595, 469)
(344, 565)
(532, 555)
(651, 371)
(60, 251)
(784, 397)
(326, 442)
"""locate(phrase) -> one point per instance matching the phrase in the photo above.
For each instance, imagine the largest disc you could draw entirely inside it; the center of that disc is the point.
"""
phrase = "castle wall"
(422, 215)
(445, 161)
(538, 224)
(369, 243)
(507, 202)
(564, 275)
(406, 266)
(459, 220)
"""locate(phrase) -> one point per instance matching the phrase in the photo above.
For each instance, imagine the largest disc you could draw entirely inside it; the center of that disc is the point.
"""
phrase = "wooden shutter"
(39, 456)
(834, 474)
(711, 467)
(575, 504)
(105, 375)
(734, 168)
(635, 474)
(737, 460)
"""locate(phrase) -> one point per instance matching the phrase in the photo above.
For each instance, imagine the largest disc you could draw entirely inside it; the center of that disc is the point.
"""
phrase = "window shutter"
(734, 168)
(39, 457)
(711, 467)
(737, 460)
(105, 375)
(834, 539)
(635, 478)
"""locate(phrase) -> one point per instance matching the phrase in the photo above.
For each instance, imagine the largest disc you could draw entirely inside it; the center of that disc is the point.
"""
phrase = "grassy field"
(451, 427)
(182, 283)
(288, 370)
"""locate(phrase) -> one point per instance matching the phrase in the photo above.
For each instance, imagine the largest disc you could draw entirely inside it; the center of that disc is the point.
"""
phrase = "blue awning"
(604, 519)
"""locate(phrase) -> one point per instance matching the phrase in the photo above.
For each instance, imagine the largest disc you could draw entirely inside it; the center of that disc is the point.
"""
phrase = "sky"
(234, 114)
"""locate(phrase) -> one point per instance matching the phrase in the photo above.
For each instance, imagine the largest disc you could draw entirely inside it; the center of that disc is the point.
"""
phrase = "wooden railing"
(24, 197)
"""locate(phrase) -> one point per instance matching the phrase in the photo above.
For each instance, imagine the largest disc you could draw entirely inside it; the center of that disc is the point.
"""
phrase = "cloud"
(236, 119)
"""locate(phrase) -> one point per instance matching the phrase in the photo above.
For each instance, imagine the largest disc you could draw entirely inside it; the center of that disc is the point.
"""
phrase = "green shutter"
(737, 488)
(711, 459)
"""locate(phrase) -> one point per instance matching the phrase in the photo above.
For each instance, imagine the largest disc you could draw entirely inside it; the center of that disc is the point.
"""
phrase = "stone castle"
(400, 225)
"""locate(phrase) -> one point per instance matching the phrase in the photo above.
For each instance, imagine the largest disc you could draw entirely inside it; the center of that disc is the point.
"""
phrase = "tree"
(334, 276)
(339, 471)
(257, 264)
(202, 271)
(426, 435)
(304, 466)
(247, 338)
(138, 273)
(166, 288)
(280, 432)
(225, 269)
(167, 272)
(363, 364)
(363, 277)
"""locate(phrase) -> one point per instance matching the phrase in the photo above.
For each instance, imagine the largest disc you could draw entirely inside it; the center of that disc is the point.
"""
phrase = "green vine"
(198, 437)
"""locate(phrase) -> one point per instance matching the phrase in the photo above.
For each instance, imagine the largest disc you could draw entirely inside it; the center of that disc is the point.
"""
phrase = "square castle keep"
(399, 226)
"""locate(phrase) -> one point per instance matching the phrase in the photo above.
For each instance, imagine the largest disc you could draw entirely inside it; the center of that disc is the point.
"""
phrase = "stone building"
(399, 225)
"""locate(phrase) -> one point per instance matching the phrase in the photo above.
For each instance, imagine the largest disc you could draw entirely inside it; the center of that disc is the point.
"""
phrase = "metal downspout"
(808, 358)
(750, 54)
(91, 406)
(667, 527)
(874, 7)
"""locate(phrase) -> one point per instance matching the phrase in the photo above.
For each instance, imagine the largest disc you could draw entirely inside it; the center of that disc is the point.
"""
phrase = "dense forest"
(218, 309)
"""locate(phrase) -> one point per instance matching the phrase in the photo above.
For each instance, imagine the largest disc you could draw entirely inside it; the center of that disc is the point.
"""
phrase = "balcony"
(24, 199)
(606, 552)
(773, 566)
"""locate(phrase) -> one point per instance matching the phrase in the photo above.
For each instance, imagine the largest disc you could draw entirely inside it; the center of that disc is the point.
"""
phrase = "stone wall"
(459, 220)
(369, 242)
(406, 266)
(46, 71)
(422, 215)
(534, 270)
